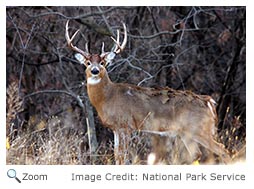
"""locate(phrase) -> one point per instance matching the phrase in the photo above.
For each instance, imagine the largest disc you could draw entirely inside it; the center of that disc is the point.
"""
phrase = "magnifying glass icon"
(11, 173)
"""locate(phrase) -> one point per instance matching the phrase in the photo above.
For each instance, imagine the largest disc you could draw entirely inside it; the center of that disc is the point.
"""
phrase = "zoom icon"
(11, 173)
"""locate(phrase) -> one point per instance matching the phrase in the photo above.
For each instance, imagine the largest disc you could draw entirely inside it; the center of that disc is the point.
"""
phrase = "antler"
(119, 48)
(86, 54)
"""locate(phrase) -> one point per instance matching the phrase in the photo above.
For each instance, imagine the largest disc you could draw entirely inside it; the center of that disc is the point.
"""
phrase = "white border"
(61, 174)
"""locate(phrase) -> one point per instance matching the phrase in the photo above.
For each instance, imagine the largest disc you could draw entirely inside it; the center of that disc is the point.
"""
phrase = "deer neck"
(97, 91)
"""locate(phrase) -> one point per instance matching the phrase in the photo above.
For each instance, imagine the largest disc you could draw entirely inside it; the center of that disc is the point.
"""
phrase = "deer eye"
(102, 63)
(88, 63)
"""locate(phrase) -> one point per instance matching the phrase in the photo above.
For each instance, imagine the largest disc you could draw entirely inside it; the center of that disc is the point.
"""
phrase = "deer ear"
(80, 58)
(109, 57)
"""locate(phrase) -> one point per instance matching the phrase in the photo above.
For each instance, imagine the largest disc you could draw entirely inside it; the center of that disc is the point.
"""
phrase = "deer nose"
(95, 70)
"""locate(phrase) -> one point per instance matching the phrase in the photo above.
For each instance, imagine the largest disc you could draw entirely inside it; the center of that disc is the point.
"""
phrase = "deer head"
(96, 64)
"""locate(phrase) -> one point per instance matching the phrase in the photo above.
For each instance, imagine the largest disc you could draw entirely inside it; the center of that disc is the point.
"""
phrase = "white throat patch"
(93, 80)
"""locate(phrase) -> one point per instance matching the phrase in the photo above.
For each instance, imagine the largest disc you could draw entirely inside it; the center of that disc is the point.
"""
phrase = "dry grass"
(13, 106)
(57, 144)
(64, 146)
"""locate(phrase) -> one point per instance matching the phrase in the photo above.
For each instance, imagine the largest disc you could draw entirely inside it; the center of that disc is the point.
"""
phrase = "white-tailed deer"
(125, 108)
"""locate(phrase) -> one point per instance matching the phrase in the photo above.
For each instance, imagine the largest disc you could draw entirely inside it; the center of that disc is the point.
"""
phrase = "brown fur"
(179, 113)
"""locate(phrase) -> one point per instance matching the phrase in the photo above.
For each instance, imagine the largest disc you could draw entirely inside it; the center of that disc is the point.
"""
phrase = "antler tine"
(117, 41)
(125, 37)
(87, 48)
(119, 48)
(102, 48)
(69, 41)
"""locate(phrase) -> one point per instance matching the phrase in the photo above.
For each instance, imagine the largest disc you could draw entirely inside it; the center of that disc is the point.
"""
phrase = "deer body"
(146, 108)
(157, 111)
(125, 108)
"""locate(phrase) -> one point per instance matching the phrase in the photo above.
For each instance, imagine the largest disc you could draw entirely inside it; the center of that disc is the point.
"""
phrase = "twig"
(24, 47)
(80, 103)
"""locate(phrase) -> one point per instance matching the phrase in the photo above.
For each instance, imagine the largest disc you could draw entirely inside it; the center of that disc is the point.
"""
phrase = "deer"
(125, 108)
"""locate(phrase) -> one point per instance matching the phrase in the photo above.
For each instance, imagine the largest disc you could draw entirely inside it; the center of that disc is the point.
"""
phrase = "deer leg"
(192, 148)
(125, 143)
(116, 148)
(214, 146)
(158, 146)
(121, 143)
